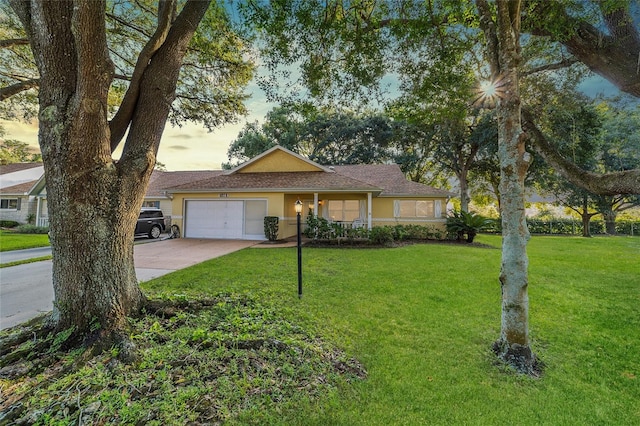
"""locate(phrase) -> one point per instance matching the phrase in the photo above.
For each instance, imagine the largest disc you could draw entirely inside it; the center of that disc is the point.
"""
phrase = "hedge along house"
(232, 204)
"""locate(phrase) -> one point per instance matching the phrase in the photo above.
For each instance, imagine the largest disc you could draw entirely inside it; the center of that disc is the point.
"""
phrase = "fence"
(573, 227)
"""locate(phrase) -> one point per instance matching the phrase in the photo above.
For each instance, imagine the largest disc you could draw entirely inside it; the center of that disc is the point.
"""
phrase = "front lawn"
(11, 240)
(419, 321)
(422, 318)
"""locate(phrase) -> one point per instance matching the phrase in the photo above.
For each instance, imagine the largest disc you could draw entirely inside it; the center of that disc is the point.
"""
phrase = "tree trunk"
(513, 344)
(92, 206)
(504, 52)
(610, 221)
(92, 241)
(464, 190)
(94, 201)
(586, 218)
(586, 225)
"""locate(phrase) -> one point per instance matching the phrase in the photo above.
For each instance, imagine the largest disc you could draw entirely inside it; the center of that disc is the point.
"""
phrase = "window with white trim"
(344, 210)
(414, 208)
(9, 204)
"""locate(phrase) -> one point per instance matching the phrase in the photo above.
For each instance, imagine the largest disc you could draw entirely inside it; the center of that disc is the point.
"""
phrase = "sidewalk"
(18, 255)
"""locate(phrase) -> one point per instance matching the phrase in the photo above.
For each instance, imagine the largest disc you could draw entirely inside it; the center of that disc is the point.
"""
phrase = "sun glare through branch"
(487, 93)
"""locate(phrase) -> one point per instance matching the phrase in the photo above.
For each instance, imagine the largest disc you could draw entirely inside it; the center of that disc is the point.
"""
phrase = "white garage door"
(214, 219)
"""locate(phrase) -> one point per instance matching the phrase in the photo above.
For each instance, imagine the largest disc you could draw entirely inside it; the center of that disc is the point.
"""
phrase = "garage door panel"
(214, 219)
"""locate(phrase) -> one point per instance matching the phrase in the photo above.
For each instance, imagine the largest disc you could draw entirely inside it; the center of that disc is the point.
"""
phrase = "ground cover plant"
(420, 320)
(204, 361)
(11, 240)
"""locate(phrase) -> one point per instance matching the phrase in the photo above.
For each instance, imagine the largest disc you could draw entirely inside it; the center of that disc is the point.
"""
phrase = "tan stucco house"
(233, 203)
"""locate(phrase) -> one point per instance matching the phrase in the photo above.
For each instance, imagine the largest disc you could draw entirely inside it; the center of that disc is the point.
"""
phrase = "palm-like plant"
(461, 223)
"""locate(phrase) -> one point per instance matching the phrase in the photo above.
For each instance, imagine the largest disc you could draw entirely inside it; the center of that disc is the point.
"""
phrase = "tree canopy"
(349, 50)
(218, 54)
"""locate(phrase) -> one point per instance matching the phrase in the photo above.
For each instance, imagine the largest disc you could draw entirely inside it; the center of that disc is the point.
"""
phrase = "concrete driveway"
(26, 290)
(182, 252)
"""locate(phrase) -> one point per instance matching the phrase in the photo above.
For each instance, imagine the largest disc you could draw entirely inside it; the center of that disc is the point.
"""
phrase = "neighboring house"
(232, 204)
(30, 198)
(16, 182)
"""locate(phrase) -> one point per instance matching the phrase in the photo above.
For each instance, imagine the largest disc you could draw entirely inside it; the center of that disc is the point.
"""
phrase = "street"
(27, 290)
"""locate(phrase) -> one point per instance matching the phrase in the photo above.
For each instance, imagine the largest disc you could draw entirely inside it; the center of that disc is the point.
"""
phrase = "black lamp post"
(298, 206)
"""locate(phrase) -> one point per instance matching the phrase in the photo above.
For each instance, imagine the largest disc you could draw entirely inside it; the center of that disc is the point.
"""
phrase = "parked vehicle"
(150, 222)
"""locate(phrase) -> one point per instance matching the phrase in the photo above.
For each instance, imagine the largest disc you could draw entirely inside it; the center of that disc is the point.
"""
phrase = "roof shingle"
(382, 179)
(277, 181)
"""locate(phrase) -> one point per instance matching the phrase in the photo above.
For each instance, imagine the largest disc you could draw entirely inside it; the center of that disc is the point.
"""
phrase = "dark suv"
(150, 222)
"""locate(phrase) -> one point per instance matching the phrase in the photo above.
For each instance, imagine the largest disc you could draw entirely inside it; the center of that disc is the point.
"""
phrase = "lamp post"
(298, 206)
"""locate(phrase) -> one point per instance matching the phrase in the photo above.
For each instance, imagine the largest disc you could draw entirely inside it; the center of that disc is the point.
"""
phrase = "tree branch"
(14, 89)
(120, 122)
(614, 56)
(614, 183)
(128, 24)
(13, 42)
(488, 26)
(157, 87)
(565, 63)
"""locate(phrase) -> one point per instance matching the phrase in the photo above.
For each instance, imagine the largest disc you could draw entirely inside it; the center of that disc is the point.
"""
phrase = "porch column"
(38, 199)
(368, 210)
(315, 203)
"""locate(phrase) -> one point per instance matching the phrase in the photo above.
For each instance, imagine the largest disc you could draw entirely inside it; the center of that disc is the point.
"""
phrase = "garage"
(225, 219)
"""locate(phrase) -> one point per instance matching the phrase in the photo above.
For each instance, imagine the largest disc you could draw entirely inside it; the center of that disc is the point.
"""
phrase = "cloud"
(178, 147)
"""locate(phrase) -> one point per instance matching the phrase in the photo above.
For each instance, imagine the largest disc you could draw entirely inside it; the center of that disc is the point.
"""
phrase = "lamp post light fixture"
(298, 207)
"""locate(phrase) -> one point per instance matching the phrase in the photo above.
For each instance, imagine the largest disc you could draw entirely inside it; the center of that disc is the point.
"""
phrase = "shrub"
(8, 224)
(461, 223)
(271, 227)
(319, 228)
(32, 229)
(381, 235)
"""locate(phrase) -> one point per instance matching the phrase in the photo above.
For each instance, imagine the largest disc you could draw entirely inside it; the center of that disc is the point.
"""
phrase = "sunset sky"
(192, 147)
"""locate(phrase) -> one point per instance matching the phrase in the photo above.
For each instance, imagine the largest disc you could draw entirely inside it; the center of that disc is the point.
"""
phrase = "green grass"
(10, 240)
(422, 318)
(25, 261)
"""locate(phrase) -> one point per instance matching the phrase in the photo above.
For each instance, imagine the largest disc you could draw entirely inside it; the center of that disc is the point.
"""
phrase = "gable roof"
(272, 172)
(161, 180)
(271, 161)
(19, 173)
(275, 170)
(277, 182)
(23, 188)
(17, 167)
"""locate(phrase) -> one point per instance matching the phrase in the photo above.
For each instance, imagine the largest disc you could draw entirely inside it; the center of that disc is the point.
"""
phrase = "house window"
(154, 204)
(344, 210)
(414, 208)
(9, 204)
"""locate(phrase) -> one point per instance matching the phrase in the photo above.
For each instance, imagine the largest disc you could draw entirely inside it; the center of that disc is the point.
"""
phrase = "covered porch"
(351, 210)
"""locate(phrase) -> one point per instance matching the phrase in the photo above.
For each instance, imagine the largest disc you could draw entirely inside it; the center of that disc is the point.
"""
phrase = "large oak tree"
(346, 48)
(94, 199)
